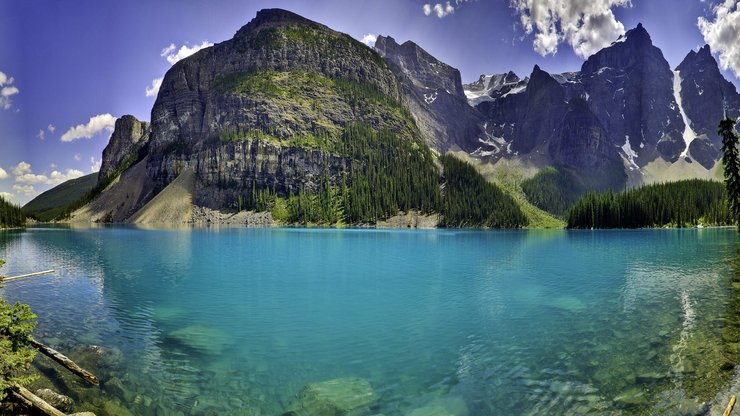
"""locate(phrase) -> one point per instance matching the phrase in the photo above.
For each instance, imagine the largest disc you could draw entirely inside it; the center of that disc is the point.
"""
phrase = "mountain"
(302, 121)
(625, 110)
(434, 93)
(47, 205)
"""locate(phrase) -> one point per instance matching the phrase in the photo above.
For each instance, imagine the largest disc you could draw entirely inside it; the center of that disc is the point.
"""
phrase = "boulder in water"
(338, 397)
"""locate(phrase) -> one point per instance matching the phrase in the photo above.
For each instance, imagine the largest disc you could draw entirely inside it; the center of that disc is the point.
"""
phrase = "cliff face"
(434, 93)
(264, 110)
(128, 137)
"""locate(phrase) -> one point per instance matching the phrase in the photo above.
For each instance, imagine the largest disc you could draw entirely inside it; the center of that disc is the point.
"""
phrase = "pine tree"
(732, 166)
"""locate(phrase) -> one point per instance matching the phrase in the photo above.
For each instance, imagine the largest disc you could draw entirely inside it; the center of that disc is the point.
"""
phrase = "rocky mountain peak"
(129, 135)
(425, 70)
(272, 18)
(634, 48)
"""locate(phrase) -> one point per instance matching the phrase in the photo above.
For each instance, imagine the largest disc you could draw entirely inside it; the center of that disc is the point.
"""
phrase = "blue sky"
(62, 63)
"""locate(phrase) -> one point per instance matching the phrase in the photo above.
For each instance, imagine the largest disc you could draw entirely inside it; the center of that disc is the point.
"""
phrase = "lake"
(440, 322)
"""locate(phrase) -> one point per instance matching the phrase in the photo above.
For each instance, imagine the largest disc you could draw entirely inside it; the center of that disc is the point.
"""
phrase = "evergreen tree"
(732, 166)
(16, 327)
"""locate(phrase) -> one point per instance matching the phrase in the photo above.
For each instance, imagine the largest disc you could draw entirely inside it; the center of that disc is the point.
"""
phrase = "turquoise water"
(477, 322)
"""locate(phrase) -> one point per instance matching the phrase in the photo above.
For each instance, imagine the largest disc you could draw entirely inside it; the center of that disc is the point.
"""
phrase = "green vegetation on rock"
(677, 204)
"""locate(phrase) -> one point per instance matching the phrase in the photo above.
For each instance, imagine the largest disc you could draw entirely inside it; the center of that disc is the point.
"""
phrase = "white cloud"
(24, 175)
(7, 196)
(41, 135)
(722, 34)
(152, 90)
(172, 54)
(586, 25)
(7, 91)
(95, 164)
(27, 190)
(3, 174)
(78, 157)
(439, 9)
(21, 169)
(183, 52)
(369, 39)
(51, 128)
(53, 165)
(94, 126)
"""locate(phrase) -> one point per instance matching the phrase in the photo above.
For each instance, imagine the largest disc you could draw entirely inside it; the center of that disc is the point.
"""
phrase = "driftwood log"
(730, 406)
(8, 279)
(66, 362)
(31, 400)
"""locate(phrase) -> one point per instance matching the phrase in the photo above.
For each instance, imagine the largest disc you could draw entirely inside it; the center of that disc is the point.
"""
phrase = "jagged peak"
(705, 51)
(703, 58)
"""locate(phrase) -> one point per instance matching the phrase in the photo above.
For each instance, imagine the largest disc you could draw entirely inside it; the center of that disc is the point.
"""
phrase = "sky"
(69, 68)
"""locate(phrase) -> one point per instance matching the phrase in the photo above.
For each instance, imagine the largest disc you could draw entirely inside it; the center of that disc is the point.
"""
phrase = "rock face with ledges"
(128, 136)
(434, 93)
(707, 95)
(250, 111)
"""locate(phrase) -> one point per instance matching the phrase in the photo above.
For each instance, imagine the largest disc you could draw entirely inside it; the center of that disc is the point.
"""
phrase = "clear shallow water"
(510, 322)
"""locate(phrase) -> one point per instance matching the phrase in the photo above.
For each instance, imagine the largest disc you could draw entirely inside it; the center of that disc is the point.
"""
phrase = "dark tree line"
(389, 173)
(679, 204)
(471, 201)
(11, 215)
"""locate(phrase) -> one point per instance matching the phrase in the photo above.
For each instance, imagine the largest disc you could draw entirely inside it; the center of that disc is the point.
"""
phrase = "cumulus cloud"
(21, 169)
(586, 25)
(173, 54)
(3, 174)
(369, 39)
(439, 9)
(24, 176)
(41, 135)
(7, 90)
(153, 90)
(51, 128)
(722, 34)
(94, 126)
(27, 190)
(7, 196)
(184, 51)
(78, 157)
(95, 164)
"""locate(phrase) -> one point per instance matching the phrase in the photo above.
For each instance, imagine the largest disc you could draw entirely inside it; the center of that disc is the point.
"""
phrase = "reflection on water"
(237, 321)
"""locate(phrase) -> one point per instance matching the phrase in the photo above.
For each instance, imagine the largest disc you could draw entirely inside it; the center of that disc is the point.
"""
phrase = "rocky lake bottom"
(364, 322)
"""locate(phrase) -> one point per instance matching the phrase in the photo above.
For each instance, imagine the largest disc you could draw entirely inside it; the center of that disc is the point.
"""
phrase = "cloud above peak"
(183, 52)
(722, 33)
(586, 25)
(95, 125)
(173, 54)
(442, 10)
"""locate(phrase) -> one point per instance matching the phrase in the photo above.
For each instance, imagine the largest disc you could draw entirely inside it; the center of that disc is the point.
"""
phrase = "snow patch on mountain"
(688, 133)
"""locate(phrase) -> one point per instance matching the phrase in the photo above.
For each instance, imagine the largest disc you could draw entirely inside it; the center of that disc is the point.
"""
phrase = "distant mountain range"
(290, 107)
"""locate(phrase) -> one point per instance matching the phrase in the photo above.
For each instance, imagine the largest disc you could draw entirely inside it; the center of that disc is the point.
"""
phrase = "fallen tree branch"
(8, 279)
(66, 362)
(29, 399)
(730, 406)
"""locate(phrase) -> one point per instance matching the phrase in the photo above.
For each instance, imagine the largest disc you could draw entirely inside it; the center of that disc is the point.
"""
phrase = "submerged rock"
(94, 357)
(60, 401)
(450, 406)
(631, 397)
(338, 397)
(201, 338)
